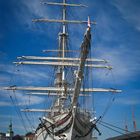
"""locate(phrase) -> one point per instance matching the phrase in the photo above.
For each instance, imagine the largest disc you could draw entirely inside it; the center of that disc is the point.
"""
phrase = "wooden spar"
(64, 4)
(62, 21)
(55, 89)
(38, 110)
(61, 51)
(59, 58)
(53, 94)
(60, 64)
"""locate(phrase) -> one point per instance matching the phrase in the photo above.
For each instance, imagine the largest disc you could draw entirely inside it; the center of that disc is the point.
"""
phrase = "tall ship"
(66, 119)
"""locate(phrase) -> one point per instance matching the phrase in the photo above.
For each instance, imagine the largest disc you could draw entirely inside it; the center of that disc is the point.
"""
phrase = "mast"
(60, 86)
(60, 75)
(63, 39)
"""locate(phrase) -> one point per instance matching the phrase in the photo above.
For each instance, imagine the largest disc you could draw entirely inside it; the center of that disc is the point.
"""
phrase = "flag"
(89, 22)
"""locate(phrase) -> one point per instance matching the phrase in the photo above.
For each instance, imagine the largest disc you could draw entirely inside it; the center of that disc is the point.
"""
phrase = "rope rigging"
(18, 113)
(16, 104)
(117, 129)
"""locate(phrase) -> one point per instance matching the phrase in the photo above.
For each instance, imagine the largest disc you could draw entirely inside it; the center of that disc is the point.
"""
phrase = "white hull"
(75, 128)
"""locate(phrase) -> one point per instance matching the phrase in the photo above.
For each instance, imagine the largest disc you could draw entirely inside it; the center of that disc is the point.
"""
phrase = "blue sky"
(116, 37)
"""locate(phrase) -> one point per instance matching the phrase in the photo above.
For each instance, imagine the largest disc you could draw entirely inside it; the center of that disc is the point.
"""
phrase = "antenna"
(126, 126)
(134, 121)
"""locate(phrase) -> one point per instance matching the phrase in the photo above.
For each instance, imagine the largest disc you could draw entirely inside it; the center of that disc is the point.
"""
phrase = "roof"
(30, 135)
(128, 136)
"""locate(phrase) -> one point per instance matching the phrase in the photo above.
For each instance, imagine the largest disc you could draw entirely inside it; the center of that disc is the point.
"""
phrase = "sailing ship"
(65, 120)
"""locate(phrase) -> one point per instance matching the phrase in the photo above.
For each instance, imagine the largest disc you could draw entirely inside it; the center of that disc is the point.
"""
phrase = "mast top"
(63, 20)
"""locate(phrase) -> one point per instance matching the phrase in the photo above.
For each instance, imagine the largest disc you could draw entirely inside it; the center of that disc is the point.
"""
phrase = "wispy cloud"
(5, 103)
(124, 66)
(130, 11)
(19, 98)
(4, 78)
(30, 10)
(18, 124)
(25, 73)
(128, 101)
(27, 77)
(115, 42)
(129, 98)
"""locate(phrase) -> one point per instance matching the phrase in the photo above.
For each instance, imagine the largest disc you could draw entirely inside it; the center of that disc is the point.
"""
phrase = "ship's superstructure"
(65, 120)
